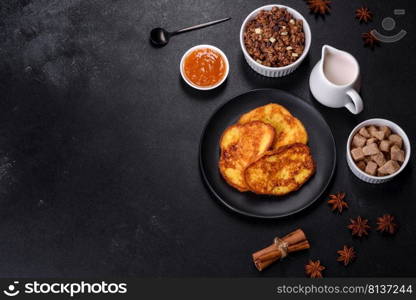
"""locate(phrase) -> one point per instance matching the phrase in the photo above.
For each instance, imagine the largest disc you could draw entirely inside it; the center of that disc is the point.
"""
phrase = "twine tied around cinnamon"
(281, 247)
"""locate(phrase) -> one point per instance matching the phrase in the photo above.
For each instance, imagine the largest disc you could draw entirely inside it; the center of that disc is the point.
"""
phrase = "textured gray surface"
(99, 143)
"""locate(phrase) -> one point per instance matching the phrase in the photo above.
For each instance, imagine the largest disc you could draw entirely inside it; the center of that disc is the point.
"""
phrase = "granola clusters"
(274, 38)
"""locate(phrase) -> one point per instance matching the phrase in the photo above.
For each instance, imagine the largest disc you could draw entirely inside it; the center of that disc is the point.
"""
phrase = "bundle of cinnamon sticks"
(281, 247)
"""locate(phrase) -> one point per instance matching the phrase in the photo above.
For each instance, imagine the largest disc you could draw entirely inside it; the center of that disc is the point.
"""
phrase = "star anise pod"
(337, 201)
(359, 226)
(346, 255)
(363, 14)
(319, 6)
(314, 269)
(369, 39)
(386, 224)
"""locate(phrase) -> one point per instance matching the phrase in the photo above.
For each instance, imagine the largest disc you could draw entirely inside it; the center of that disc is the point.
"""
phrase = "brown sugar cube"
(386, 130)
(371, 149)
(396, 153)
(370, 141)
(357, 154)
(371, 129)
(389, 167)
(367, 159)
(371, 168)
(361, 165)
(358, 140)
(364, 132)
(385, 146)
(381, 174)
(396, 139)
(379, 159)
(378, 135)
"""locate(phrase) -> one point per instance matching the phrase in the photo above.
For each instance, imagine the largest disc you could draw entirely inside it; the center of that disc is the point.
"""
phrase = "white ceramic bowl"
(202, 88)
(395, 129)
(276, 71)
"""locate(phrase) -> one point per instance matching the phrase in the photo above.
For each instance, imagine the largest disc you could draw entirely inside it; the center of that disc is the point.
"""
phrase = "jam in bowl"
(204, 67)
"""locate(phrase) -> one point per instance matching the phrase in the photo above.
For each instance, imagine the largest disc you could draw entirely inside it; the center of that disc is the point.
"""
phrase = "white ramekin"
(395, 129)
(276, 71)
(227, 65)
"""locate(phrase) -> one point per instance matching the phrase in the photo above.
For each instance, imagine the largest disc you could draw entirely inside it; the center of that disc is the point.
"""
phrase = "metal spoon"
(160, 37)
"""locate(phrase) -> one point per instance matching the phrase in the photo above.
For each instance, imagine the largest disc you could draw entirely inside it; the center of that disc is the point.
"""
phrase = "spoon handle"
(200, 26)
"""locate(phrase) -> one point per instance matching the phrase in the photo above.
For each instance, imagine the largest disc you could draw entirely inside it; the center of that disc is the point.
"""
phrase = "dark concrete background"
(99, 143)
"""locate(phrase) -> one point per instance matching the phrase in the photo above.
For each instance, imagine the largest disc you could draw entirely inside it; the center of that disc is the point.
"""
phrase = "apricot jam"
(204, 67)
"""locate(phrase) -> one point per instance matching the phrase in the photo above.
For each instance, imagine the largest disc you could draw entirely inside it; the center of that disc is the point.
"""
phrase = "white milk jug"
(335, 80)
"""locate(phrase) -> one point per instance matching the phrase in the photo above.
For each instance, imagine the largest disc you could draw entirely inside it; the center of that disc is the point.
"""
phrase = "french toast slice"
(289, 130)
(240, 145)
(280, 171)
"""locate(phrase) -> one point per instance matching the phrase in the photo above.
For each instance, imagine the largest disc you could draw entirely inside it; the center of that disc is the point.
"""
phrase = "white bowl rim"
(387, 123)
(306, 27)
(200, 47)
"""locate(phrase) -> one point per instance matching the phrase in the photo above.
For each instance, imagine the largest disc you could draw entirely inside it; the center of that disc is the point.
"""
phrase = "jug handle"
(356, 105)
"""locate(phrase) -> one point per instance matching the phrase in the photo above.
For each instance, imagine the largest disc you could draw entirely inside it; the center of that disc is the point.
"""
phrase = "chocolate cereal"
(274, 38)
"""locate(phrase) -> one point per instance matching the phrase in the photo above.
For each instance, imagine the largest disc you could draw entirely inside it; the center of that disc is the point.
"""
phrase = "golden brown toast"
(280, 171)
(289, 130)
(240, 145)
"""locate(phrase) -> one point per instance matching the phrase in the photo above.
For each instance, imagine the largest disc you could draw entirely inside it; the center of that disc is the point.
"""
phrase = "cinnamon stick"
(295, 237)
(300, 246)
(292, 242)
(263, 265)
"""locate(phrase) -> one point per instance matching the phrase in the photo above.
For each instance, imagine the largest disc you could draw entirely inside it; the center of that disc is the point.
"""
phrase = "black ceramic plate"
(321, 143)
